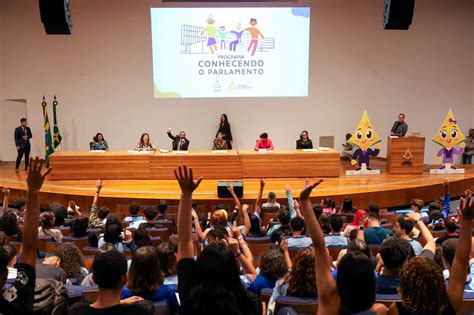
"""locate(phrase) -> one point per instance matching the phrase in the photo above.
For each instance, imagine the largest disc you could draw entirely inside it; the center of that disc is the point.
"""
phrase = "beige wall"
(103, 75)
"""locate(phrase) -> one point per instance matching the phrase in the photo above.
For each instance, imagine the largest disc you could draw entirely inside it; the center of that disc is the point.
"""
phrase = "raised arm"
(184, 176)
(457, 277)
(246, 216)
(6, 195)
(447, 199)
(93, 219)
(329, 299)
(197, 226)
(259, 196)
(239, 253)
(291, 202)
(34, 181)
(168, 132)
(236, 200)
(286, 253)
(425, 232)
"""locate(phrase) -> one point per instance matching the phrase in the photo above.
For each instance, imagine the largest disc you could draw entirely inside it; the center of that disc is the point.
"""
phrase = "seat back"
(161, 308)
(259, 249)
(302, 306)
(334, 252)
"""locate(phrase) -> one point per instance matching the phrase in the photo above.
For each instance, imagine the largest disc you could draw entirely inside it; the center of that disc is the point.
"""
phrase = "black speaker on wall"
(56, 16)
(223, 192)
(398, 14)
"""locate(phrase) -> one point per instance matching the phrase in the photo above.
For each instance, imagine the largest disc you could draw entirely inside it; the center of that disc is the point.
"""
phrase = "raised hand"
(262, 183)
(230, 187)
(235, 232)
(466, 206)
(288, 188)
(185, 180)
(304, 195)
(233, 245)
(6, 191)
(296, 204)
(413, 216)
(284, 244)
(245, 207)
(36, 176)
(446, 185)
(99, 185)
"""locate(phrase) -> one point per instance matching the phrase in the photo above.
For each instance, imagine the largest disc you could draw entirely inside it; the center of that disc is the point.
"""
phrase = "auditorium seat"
(374, 249)
(79, 242)
(156, 240)
(88, 260)
(163, 233)
(90, 295)
(258, 240)
(41, 242)
(17, 245)
(52, 246)
(303, 306)
(334, 251)
(387, 299)
(267, 217)
(391, 218)
(265, 296)
(89, 250)
(467, 306)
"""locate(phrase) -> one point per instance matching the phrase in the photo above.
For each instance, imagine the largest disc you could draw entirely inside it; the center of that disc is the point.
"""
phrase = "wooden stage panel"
(204, 163)
(398, 148)
(291, 163)
(79, 165)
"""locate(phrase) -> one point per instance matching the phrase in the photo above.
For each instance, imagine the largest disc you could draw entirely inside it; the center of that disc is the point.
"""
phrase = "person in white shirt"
(335, 238)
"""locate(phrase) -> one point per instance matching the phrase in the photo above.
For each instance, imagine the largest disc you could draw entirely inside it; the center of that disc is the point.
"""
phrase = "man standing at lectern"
(400, 127)
(22, 142)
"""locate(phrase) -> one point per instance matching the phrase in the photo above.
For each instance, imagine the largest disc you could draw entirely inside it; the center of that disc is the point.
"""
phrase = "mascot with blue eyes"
(449, 136)
(364, 137)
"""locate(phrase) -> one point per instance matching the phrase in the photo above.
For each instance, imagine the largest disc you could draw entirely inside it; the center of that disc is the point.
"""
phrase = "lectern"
(405, 156)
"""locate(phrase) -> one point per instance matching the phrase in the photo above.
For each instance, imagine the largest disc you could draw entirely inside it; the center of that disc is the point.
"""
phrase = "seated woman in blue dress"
(145, 279)
(99, 143)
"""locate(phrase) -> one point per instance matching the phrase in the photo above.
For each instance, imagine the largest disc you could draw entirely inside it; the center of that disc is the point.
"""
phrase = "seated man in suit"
(180, 143)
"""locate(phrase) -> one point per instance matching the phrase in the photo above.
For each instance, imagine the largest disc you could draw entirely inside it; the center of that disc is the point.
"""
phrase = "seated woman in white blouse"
(145, 143)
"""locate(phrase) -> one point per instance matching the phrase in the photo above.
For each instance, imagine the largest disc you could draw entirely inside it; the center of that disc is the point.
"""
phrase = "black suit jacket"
(176, 140)
(19, 133)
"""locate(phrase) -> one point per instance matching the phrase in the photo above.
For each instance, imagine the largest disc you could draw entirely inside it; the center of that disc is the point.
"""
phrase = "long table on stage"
(290, 163)
(79, 165)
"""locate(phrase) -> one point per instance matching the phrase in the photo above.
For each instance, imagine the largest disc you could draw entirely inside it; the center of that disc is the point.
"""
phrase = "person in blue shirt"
(394, 253)
(375, 234)
(298, 240)
(272, 268)
(335, 238)
(145, 279)
(99, 143)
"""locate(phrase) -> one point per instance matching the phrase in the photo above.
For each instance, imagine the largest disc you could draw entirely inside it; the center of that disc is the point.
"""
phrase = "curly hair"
(422, 287)
(302, 278)
(71, 261)
(272, 265)
(10, 225)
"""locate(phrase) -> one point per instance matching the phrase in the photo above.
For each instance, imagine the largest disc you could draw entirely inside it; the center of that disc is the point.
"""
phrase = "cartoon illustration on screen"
(211, 31)
(255, 34)
(364, 138)
(452, 141)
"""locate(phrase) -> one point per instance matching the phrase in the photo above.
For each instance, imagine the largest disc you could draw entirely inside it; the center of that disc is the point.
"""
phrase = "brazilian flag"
(57, 136)
(47, 133)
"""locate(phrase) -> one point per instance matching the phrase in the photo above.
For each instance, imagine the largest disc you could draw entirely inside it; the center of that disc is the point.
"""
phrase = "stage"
(384, 189)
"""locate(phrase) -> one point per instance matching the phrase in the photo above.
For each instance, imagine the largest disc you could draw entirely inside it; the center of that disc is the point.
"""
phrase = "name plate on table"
(97, 151)
(180, 152)
(324, 149)
(219, 151)
(310, 150)
(135, 152)
(265, 151)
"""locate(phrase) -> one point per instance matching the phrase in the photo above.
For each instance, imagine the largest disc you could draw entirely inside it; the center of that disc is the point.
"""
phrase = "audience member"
(272, 268)
(373, 208)
(403, 230)
(264, 143)
(354, 290)
(50, 267)
(11, 253)
(283, 228)
(325, 224)
(89, 279)
(328, 206)
(141, 237)
(167, 255)
(145, 279)
(134, 219)
(394, 252)
(46, 228)
(252, 224)
(210, 284)
(416, 205)
(449, 251)
(271, 202)
(335, 238)
(10, 225)
(300, 280)
(375, 234)
(110, 274)
(297, 240)
(79, 227)
(360, 219)
(60, 213)
(451, 227)
(98, 216)
(18, 298)
(72, 263)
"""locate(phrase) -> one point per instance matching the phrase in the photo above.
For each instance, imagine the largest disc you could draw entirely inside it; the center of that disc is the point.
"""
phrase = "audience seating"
(88, 260)
(163, 233)
(161, 308)
(303, 306)
(52, 246)
(259, 249)
(79, 242)
(258, 240)
(391, 218)
(41, 242)
(334, 251)
(89, 250)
